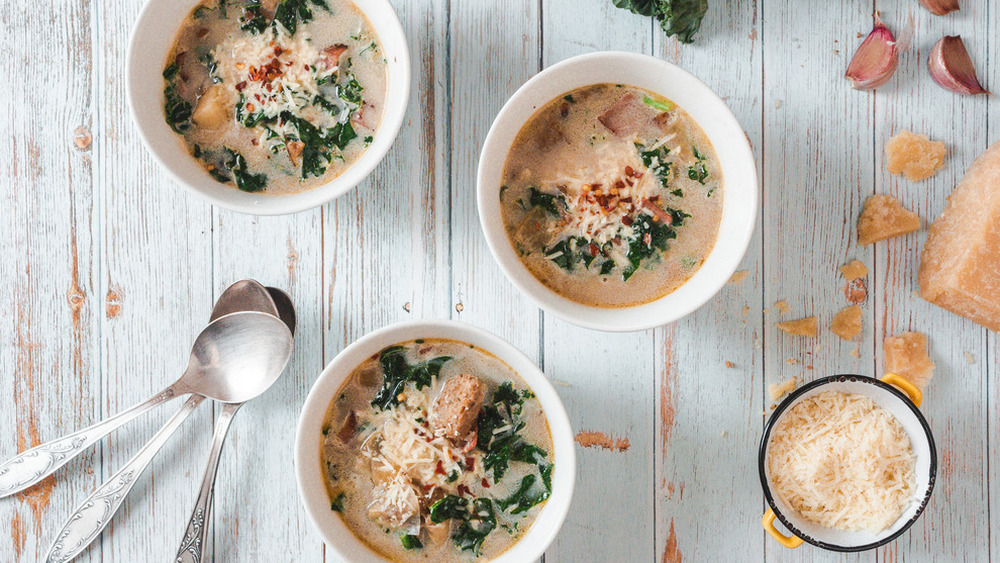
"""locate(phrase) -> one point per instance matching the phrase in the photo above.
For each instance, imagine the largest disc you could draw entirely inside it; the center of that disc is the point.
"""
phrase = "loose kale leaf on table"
(677, 17)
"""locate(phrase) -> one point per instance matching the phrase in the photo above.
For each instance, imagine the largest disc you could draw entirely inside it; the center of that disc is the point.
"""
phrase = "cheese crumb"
(884, 217)
(730, 364)
(906, 356)
(853, 270)
(739, 276)
(800, 327)
(779, 390)
(781, 306)
(969, 358)
(914, 156)
(847, 322)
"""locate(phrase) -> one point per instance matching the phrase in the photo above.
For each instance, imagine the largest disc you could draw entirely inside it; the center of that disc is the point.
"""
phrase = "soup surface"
(435, 450)
(612, 195)
(275, 96)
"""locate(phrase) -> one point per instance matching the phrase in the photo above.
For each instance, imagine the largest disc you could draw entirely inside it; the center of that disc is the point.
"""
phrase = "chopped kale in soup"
(275, 96)
(612, 195)
(435, 450)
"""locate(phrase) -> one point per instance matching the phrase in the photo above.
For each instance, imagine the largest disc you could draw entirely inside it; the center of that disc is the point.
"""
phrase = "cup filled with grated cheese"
(847, 463)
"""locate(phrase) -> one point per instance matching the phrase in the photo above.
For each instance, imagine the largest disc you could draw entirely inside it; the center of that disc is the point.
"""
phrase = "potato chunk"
(212, 111)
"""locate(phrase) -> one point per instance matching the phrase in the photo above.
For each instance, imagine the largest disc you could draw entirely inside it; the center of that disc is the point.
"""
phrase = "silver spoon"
(31, 466)
(195, 537)
(234, 359)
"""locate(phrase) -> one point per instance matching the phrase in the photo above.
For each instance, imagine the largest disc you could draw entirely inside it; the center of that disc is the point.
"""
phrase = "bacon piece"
(658, 212)
(331, 55)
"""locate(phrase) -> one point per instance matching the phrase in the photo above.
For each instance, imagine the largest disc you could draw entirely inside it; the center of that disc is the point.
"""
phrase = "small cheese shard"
(960, 264)
(847, 322)
(778, 390)
(800, 327)
(884, 217)
(854, 270)
(914, 156)
(906, 356)
(739, 276)
(781, 306)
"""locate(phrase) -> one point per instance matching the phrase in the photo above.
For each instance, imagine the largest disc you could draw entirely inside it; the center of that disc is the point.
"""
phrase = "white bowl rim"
(810, 388)
(393, 116)
(548, 521)
(632, 318)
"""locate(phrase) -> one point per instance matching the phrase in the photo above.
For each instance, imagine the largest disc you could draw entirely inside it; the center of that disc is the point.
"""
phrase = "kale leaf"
(552, 204)
(504, 447)
(245, 180)
(253, 19)
(476, 520)
(411, 542)
(176, 109)
(397, 372)
(523, 499)
(677, 17)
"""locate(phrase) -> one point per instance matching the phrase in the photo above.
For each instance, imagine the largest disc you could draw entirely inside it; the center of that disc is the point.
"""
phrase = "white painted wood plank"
(494, 49)
(605, 380)
(817, 171)
(258, 516)
(990, 74)
(954, 525)
(156, 283)
(386, 242)
(49, 370)
(709, 414)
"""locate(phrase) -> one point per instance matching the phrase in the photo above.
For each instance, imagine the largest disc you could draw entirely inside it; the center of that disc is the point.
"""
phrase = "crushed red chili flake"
(440, 468)
(627, 221)
(646, 238)
(469, 462)
(250, 107)
(629, 171)
(464, 490)
(240, 86)
(254, 141)
(486, 484)
(278, 51)
(593, 249)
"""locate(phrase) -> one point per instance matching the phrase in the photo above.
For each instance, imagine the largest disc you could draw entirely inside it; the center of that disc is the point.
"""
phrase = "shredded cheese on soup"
(842, 462)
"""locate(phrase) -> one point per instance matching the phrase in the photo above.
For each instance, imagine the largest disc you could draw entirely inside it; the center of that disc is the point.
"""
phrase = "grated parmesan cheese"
(842, 462)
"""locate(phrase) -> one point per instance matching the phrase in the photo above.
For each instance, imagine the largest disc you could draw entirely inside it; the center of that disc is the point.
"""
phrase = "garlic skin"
(951, 67)
(875, 60)
(940, 7)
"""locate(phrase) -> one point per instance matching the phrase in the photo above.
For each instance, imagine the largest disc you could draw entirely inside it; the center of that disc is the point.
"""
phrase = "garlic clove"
(940, 7)
(875, 60)
(951, 67)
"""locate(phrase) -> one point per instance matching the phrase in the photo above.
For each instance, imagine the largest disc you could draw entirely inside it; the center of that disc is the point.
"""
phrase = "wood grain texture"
(112, 271)
(708, 411)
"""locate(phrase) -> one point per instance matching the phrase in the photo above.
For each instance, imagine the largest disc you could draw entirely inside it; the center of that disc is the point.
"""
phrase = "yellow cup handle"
(791, 542)
(915, 395)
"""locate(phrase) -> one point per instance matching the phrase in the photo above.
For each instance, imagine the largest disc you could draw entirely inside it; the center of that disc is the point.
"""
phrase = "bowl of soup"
(434, 441)
(268, 106)
(617, 191)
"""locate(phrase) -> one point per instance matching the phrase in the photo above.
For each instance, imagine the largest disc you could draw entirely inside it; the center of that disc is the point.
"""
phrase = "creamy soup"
(435, 450)
(275, 96)
(612, 195)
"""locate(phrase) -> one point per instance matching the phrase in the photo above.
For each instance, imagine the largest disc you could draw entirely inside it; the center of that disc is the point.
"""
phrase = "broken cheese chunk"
(960, 264)
(854, 270)
(906, 356)
(847, 322)
(884, 217)
(800, 327)
(914, 156)
(778, 390)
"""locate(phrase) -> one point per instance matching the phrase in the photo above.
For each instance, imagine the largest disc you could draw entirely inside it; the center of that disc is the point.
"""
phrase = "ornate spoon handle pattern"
(93, 515)
(31, 466)
(192, 548)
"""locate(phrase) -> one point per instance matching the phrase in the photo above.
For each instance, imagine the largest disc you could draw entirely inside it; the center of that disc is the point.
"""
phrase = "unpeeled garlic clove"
(951, 67)
(940, 7)
(875, 60)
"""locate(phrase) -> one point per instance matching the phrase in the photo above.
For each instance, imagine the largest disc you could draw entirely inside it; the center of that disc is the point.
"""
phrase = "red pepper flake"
(241, 86)
(464, 490)
(254, 141)
(469, 462)
(646, 239)
(439, 469)
(428, 487)
(593, 249)
(627, 221)
(629, 171)
(486, 484)
(250, 107)
(278, 51)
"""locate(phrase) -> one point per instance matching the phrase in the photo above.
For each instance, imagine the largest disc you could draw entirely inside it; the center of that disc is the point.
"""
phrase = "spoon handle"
(87, 521)
(31, 466)
(192, 548)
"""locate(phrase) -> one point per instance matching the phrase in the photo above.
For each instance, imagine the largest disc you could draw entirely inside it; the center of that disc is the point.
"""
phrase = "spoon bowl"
(237, 357)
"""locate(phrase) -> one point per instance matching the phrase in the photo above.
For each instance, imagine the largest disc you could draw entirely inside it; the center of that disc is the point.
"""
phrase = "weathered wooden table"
(110, 271)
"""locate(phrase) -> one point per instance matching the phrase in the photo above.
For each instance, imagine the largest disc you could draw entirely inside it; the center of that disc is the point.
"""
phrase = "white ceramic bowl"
(153, 36)
(738, 169)
(925, 470)
(307, 438)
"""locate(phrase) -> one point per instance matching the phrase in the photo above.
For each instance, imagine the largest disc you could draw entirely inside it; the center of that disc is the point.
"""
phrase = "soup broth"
(435, 450)
(612, 195)
(275, 96)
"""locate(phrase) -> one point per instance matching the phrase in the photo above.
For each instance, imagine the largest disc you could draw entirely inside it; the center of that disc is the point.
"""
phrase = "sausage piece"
(456, 408)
